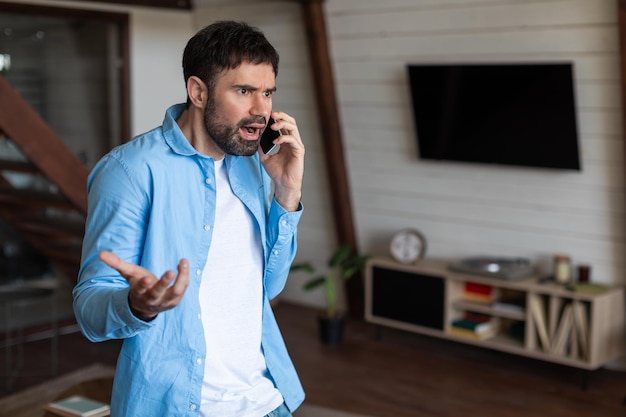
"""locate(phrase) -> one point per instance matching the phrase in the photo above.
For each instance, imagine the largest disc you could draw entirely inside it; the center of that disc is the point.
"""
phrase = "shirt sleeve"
(115, 222)
(282, 245)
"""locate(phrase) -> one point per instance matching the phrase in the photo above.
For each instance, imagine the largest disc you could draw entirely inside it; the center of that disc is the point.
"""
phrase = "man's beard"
(227, 137)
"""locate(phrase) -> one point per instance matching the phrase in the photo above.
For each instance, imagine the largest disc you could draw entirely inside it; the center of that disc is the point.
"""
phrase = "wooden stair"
(43, 191)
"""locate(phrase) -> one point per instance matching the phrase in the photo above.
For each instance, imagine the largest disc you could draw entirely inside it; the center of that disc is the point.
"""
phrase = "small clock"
(407, 246)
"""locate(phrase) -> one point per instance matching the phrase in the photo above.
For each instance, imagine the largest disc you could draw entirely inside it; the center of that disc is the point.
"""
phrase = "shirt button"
(199, 361)
(275, 252)
(192, 407)
(283, 222)
(199, 316)
(208, 181)
(207, 227)
(198, 271)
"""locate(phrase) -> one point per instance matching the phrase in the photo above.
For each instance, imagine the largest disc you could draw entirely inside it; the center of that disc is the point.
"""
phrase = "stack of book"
(78, 406)
(513, 304)
(474, 326)
(481, 293)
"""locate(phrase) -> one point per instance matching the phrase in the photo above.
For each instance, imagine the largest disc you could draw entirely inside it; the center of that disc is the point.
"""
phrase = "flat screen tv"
(520, 114)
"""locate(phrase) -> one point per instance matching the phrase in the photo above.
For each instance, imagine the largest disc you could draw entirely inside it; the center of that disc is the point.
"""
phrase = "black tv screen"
(509, 114)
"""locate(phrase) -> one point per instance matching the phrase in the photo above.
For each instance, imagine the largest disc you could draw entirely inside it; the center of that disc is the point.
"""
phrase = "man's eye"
(243, 91)
(268, 93)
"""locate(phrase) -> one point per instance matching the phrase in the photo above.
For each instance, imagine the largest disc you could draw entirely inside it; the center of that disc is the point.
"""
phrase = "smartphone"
(268, 137)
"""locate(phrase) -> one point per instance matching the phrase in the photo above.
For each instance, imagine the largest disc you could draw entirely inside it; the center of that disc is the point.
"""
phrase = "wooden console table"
(427, 297)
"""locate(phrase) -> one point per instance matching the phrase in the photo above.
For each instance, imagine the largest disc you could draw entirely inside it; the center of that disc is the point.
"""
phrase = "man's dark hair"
(225, 45)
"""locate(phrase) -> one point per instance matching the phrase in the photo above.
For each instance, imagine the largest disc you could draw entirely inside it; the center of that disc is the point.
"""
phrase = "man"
(199, 193)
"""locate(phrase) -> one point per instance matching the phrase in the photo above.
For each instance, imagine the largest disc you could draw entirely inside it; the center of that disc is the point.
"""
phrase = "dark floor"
(403, 374)
(400, 375)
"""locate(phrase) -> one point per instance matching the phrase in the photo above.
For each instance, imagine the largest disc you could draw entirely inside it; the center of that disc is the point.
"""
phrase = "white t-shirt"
(235, 382)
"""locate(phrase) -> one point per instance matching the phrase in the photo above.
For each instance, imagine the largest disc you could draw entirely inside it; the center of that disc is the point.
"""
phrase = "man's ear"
(197, 91)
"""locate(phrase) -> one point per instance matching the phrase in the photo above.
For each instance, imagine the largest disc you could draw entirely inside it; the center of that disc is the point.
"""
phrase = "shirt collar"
(177, 141)
(173, 135)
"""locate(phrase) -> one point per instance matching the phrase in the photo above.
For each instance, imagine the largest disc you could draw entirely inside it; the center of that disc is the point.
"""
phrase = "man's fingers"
(109, 258)
(127, 270)
(175, 291)
(149, 294)
(164, 295)
(183, 274)
(142, 286)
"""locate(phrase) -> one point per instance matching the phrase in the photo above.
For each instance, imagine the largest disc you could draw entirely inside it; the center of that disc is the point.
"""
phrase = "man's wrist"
(289, 201)
(140, 316)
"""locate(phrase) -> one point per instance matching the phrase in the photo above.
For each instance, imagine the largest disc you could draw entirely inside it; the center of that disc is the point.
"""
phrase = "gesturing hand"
(149, 295)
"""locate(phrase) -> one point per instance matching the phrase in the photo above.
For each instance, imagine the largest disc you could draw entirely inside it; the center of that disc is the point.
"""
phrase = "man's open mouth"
(250, 132)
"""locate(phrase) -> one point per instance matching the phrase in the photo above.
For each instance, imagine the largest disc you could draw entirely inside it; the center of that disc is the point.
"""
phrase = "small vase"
(331, 330)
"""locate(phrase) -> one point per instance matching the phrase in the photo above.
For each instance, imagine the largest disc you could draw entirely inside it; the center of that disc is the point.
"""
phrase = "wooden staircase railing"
(43, 191)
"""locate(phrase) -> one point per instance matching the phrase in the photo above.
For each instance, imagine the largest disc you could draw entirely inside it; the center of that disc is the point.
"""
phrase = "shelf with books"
(536, 318)
(474, 325)
(512, 305)
(497, 331)
(479, 292)
(512, 302)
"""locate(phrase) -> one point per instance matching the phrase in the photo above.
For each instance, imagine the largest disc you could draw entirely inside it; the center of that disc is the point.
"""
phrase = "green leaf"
(314, 283)
(340, 256)
(304, 266)
(348, 272)
(342, 265)
(353, 266)
(362, 259)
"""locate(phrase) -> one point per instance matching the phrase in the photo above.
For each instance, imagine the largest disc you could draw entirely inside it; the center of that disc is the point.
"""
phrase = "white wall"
(463, 209)
(157, 41)
(467, 210)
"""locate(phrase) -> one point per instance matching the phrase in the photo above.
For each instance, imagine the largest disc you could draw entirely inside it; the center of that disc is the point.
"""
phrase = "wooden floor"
(398, 375)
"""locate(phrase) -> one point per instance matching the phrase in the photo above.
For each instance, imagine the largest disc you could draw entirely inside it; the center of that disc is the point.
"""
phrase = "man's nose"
(261, 106)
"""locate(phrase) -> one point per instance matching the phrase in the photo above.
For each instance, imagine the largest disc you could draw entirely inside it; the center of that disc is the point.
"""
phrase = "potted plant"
(342, 265)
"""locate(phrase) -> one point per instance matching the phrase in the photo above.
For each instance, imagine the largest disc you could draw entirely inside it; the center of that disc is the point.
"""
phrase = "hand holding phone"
(267, 139)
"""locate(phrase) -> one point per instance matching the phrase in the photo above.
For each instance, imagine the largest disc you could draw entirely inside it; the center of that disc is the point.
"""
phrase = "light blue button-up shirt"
(152, 202)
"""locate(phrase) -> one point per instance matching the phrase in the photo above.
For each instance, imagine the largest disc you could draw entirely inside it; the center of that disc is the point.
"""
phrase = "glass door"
(66, 70)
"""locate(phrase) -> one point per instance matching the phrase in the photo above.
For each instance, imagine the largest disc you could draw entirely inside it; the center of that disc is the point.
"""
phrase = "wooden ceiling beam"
(168, 4)
(330, 126)
(621, 21)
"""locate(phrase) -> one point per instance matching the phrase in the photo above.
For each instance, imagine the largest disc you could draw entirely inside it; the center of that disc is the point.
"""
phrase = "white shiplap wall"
(463, 209)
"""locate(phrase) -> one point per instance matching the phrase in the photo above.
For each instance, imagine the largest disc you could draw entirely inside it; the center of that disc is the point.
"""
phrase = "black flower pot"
(331, 330)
